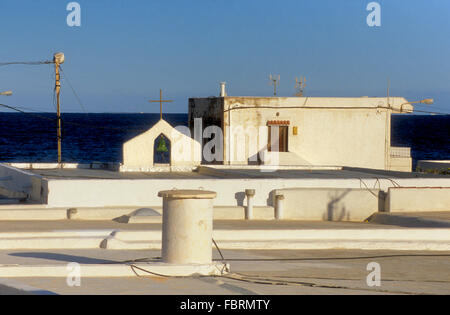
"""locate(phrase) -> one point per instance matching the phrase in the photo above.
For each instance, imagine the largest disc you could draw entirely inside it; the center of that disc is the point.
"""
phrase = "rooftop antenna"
(300, 86)
(275, 81)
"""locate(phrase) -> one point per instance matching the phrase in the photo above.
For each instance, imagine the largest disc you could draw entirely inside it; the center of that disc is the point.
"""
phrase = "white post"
(279, 207)
(223, 92)
(187, 226)
(249, 209)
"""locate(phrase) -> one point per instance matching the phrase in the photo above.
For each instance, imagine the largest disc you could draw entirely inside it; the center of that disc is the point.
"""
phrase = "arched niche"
(162, 150)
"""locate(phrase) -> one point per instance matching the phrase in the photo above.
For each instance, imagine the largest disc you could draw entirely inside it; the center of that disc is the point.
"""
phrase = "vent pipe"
(223, 92)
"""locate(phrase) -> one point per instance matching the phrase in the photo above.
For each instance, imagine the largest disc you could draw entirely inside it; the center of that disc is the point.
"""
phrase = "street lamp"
(427, 101)
(7, 93)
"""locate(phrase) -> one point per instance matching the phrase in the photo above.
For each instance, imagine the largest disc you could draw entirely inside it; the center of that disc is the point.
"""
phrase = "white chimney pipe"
(223, 93)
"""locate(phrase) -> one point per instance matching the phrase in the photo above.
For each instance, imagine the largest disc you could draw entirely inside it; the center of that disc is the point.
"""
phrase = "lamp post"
(6, 93)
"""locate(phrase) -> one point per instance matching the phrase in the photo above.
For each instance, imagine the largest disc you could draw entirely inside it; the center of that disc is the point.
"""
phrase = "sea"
(98, 137)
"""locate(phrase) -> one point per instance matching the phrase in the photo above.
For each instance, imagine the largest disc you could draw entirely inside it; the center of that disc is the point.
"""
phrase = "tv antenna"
(275, 81)
(300, 86)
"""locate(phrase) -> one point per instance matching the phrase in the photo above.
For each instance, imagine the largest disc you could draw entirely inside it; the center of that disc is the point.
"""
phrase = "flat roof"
(346, 173)
(393, 102)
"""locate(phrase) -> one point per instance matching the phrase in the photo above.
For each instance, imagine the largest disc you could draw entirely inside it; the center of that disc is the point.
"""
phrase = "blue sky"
(125, 51)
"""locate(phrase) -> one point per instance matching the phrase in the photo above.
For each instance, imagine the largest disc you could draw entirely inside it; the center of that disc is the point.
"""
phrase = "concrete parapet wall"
(437, 166)
(153, 214)
(157, 169)
(408, 220)
(143, 192)
(400, 164)
(230, 192)
(16, 183)
(329, 204)
(408, 199)
(224, 170)
(112, 166)
(333, 238)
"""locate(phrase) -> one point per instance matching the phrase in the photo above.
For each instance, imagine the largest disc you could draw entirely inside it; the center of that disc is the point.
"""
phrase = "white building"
(318, 131)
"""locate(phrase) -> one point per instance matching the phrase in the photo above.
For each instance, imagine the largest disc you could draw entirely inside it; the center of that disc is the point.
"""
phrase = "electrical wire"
(133, 267)
(145, 270)
(367, 188)
(218, 249)
(324, 107)
(73, 90)
(17, 109)
(30, 63)
(356, 279)
(273, 281)
(24, 112)
(66, 79)
(53, 90)
(336, 258)
(26, 108)
(429, 112)
(276, 281)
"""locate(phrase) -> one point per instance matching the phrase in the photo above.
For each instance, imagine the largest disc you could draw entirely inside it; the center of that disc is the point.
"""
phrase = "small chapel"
(162, 148)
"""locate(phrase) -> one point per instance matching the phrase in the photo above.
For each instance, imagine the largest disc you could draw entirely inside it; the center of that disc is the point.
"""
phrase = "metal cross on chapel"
(160, 101)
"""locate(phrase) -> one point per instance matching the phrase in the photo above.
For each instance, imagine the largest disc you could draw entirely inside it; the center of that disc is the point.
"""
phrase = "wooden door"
(282, 140)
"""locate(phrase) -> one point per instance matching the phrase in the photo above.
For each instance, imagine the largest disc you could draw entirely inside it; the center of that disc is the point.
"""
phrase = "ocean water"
(85, 137)
(99, 137)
